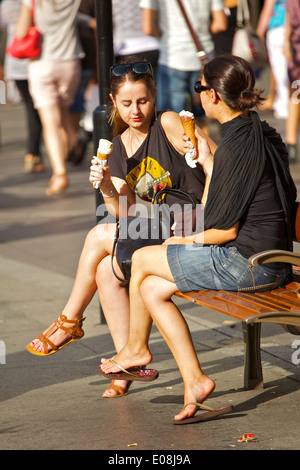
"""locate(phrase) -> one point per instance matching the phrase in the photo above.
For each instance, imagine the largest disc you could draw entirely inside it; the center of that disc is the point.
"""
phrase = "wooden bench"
(281, 306)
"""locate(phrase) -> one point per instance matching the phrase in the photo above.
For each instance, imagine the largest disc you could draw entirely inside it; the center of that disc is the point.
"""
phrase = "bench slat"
(242, 305)
(216, 301)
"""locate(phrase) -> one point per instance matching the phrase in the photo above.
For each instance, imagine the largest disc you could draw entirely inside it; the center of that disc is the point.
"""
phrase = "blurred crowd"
(60, 90)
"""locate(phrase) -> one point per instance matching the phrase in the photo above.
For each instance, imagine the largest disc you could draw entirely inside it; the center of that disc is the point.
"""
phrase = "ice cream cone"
(188, 124)
(103, 152)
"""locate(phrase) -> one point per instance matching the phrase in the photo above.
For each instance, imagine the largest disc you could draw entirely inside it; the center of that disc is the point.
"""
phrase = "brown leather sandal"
(74, 330)
(120, 391)
(57, 184)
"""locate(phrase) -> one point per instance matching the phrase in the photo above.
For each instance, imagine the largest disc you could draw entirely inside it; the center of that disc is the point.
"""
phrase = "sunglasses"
(138, 67)
(198, 87)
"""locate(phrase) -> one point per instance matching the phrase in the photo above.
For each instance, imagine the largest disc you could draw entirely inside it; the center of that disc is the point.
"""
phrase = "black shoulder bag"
(134, 232)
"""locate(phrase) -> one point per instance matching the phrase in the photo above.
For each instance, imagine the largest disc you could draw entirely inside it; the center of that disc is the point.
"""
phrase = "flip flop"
(133, 373)
(211, 413)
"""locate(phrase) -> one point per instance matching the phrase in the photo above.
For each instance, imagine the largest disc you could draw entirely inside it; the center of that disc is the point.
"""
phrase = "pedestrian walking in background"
(178, 65)
(54, 78)
(16, 70)
(271, 28)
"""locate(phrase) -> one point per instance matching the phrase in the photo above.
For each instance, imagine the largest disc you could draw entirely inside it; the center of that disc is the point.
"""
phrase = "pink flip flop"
(133, 373)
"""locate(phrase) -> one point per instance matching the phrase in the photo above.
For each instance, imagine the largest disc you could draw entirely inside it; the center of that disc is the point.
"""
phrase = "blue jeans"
(78, 105)
(196, 267)
(173, 88)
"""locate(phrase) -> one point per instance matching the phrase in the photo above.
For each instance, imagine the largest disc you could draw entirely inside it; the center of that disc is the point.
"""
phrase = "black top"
(155, 165)
(244, 188)
(262, 226)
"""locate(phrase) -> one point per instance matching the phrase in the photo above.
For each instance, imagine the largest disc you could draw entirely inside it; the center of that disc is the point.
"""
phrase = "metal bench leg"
(253, 378)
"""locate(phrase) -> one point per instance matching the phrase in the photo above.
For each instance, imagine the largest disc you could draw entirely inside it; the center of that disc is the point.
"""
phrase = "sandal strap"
(117, 388)
(200, 405)
(75, 330)
(46, 342)
(139, 368)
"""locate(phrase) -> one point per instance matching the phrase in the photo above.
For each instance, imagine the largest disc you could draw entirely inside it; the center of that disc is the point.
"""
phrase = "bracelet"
(112, 193)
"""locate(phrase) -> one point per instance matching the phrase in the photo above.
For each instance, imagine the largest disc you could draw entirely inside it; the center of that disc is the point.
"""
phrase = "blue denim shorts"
(197, 267)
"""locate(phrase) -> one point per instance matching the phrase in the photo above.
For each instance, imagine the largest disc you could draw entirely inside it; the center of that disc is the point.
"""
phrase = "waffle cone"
(102, 156)
(188, 125)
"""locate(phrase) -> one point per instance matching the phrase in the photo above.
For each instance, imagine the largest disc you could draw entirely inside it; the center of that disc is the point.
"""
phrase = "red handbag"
(28, 47)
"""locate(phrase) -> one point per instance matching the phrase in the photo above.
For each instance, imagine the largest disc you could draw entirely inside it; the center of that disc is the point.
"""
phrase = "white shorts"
(53, 82)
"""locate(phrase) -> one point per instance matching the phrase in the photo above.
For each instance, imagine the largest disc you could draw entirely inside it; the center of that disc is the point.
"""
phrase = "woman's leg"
(175, 331)
(114, 300)
(33, 122)
(292, 122)
(291, 127)
(136, 352)
(55, 137)
(98, 244)
(151, 288)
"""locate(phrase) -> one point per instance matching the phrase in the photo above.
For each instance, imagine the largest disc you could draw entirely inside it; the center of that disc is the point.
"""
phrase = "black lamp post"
(105, 58)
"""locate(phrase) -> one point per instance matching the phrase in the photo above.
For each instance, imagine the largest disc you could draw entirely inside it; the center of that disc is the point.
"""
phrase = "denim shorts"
(196, 267)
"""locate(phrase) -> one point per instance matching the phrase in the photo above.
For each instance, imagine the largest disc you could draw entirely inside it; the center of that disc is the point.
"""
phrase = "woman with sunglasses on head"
(146, 151)
(249, 198)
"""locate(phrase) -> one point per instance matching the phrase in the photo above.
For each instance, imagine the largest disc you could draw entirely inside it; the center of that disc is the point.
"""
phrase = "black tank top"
(155, 165)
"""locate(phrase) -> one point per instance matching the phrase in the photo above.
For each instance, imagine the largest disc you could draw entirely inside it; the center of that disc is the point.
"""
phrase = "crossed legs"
(151, 288)
(94, 272)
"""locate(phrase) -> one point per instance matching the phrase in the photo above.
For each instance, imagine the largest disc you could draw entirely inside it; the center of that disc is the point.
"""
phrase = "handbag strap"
(173, 191)
(116, 238)
(200, 51)
(157, 201)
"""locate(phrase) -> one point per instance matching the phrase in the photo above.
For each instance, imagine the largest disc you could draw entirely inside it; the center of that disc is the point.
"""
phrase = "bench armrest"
(275, 256)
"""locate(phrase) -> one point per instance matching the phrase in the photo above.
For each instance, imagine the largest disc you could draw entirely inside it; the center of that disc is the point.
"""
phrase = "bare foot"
(126, 358)
(198, 393)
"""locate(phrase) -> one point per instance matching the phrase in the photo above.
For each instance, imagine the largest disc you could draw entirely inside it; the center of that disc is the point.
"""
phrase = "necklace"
(130, 140)
(139, 141)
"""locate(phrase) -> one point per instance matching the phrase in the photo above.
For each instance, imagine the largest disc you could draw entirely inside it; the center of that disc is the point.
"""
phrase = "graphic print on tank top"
(147, 178)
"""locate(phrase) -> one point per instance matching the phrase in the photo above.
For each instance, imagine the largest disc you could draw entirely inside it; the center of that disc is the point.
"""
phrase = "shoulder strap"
(159, 194)
(113, 254)
(200, 51)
